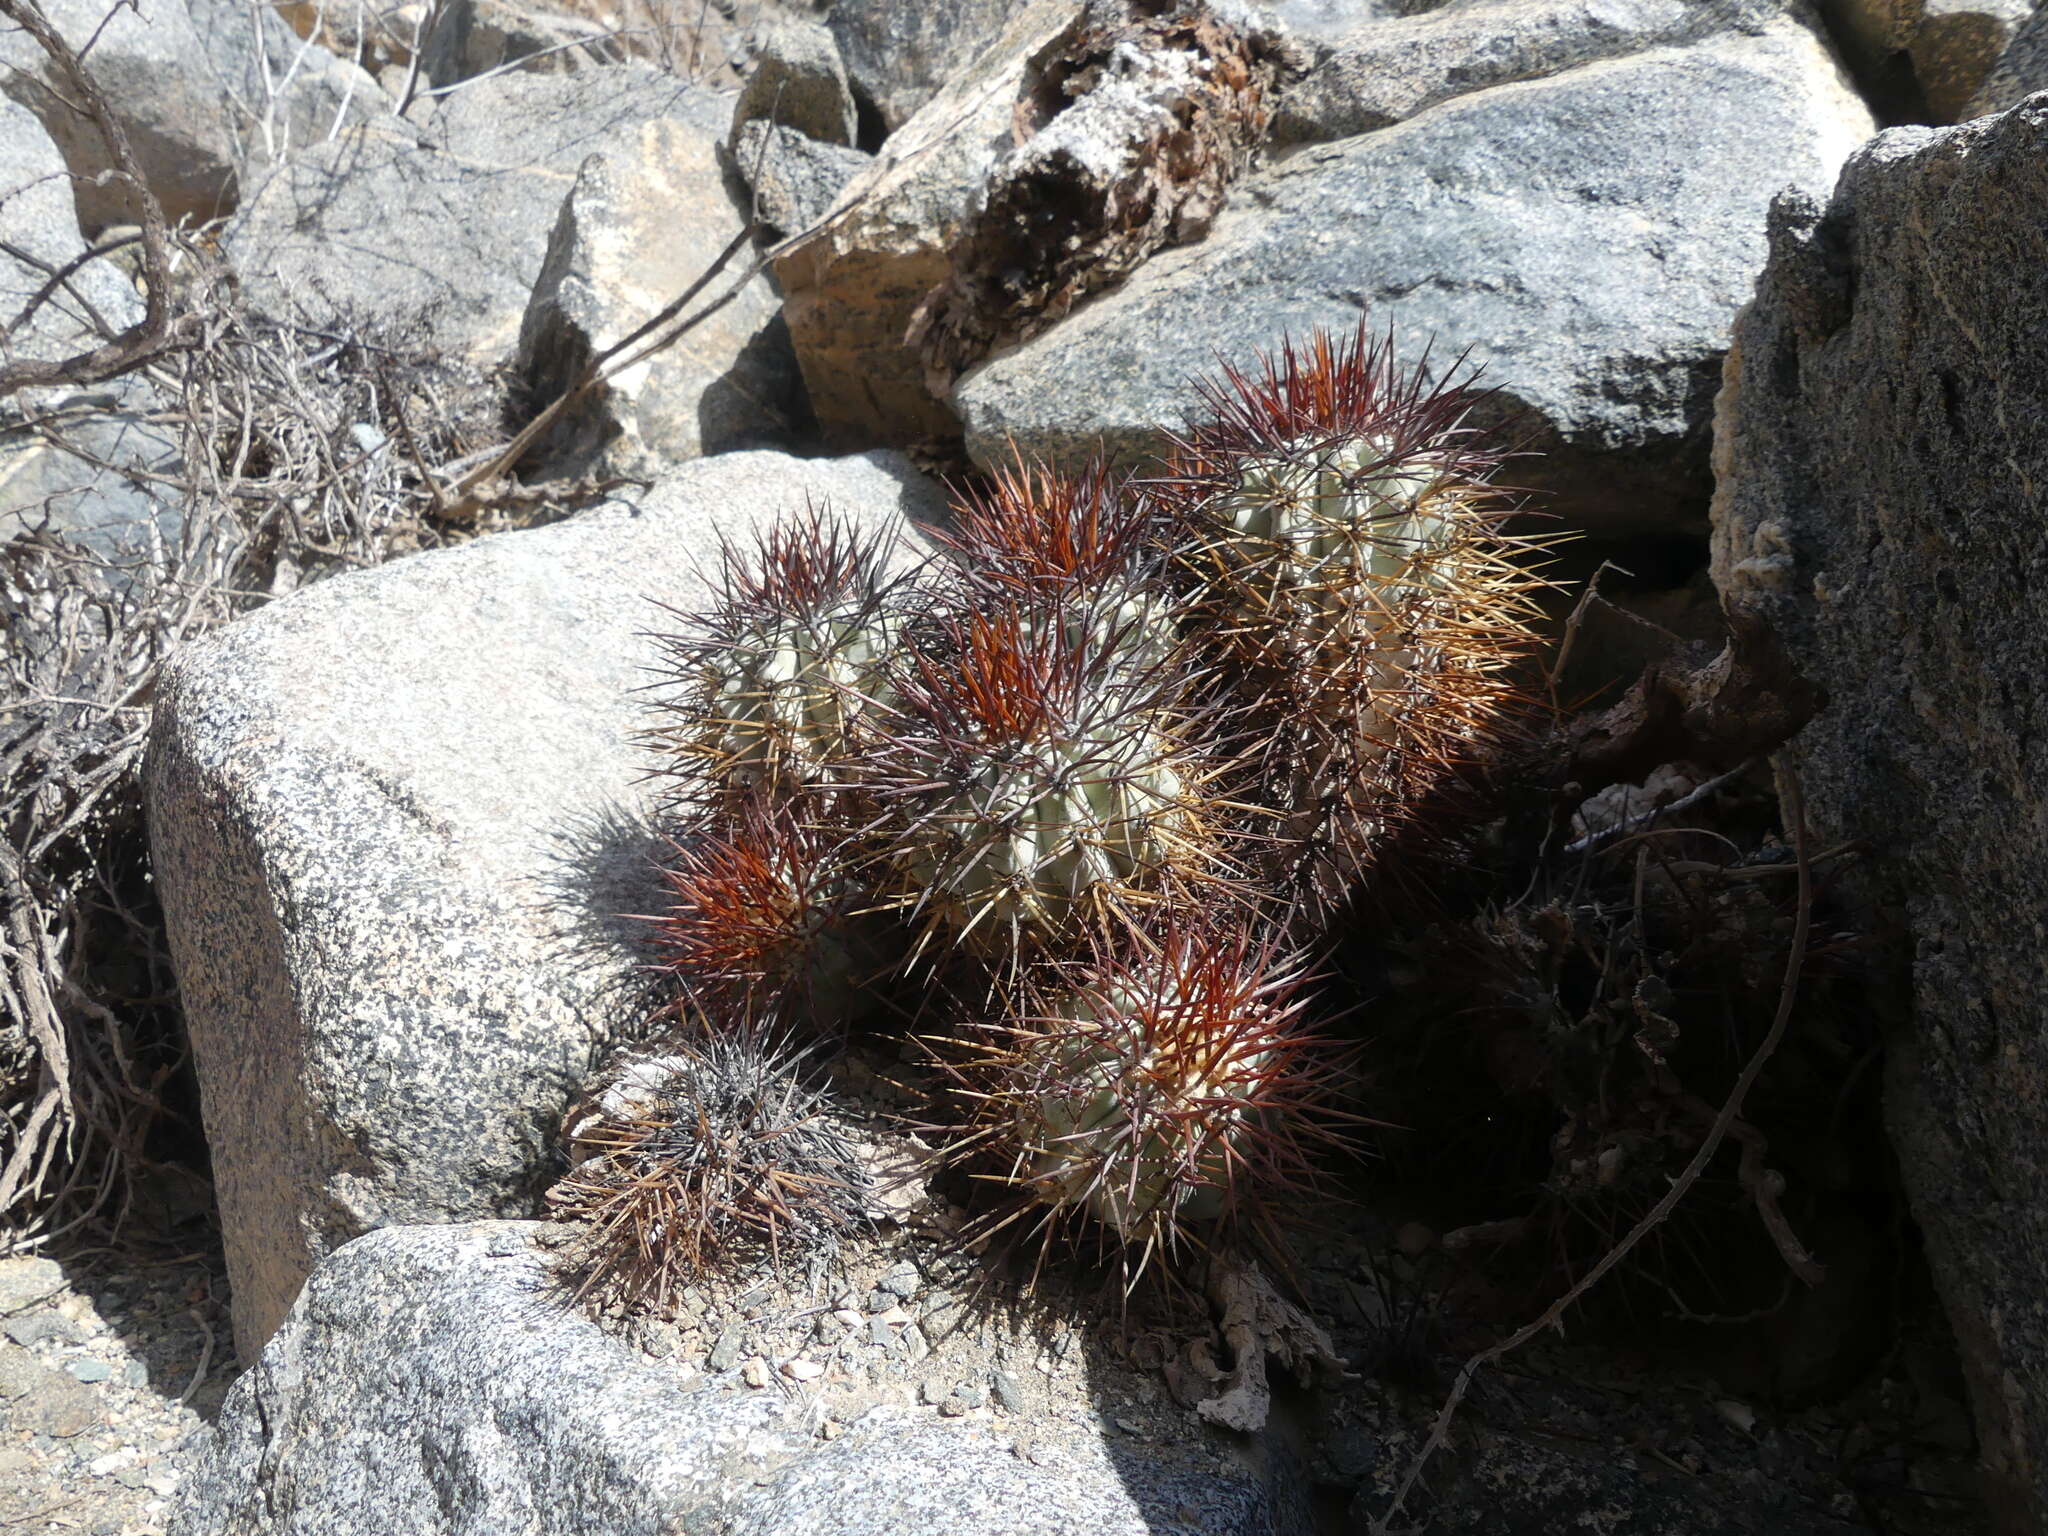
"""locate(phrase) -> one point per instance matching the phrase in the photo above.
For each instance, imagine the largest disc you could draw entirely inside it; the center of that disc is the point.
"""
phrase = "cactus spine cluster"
(1105, 767)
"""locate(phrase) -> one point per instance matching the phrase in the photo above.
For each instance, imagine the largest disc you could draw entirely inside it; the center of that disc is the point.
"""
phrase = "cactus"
(703, 1153)
(1169, 1083)
(1030, 781)
(1343, 561)
(765, 914)
(763, 688)
(1089, 754)
(1088, 547)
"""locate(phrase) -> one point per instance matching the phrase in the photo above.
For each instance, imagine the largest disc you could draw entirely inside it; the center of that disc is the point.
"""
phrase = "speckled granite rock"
(851, 288)
(798, 81)
(1589, 236)
(430, 1383)
(899, 56)
(1957, 45)
(389, 815)
(1882, 445)
(795, 179)
(120, 424)
(2019, 72)
(644, 219)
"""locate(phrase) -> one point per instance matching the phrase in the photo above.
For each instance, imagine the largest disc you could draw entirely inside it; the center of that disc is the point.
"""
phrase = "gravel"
(107, 1375)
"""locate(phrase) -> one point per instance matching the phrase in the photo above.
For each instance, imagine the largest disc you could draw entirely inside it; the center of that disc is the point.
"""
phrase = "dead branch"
(1746, 702)
(155, 333)
(1731, 1111)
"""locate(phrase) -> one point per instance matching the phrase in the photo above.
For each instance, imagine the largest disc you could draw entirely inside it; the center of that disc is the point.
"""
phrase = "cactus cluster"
(1092, 780)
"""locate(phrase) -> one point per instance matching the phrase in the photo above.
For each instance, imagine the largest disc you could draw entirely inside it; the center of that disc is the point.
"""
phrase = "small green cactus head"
(1331, 504)
(1031, 782)
(761, 690)
(1167, 1086)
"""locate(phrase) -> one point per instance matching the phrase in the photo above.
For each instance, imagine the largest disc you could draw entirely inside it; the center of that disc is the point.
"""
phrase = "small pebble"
(932, 1392)
(1738, 1414)
(880, 1334)
(755, 1372)
(901, 1281)
(831, 1429)
(1009, 1395)
(802, 1370)
(135, 1374)
(38, 1327)
(24, 1282)
(725, 1353)
(880, 1300)
(970, 1394)
(88, 1370)
(846, 1317)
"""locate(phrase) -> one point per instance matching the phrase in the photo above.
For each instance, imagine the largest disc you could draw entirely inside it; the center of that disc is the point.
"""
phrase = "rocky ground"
(109, 1368)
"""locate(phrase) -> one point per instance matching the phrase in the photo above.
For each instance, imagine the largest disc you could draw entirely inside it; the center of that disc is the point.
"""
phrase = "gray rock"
(20, 1372)
(1009, 1395)
(1384, 74)
(1957, 45)
(199, 85)
(644, 220)
(902, 1281)
(391, 817)
(96, 466)
(2019, 72)
(851, 289)
(797, 81)
(899, 56)
(88, 1370)
(445, 224)
(74, 461)
(39, 1328)
(26, 1281)
(795, 179)
(1882, 444)
(53, 1404)
(725, 1354)
(1329, 21)
(1587, 236)
(422, 1387)
(39, 223)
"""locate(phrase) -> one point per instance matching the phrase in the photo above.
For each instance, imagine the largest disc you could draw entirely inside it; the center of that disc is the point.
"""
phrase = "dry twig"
(156, 332)
(1731, 1110)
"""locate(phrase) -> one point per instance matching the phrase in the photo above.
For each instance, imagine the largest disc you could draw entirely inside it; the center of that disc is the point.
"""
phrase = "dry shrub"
(302, 452)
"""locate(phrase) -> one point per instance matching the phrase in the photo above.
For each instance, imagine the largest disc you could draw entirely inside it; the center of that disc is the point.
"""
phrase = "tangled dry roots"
(697, 1157)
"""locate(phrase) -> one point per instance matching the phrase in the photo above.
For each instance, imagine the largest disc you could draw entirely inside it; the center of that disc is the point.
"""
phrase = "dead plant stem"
(1731, 1110)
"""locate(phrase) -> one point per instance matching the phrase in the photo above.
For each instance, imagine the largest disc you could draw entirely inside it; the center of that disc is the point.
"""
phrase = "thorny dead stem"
(1731, 1112)
(155, 332)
